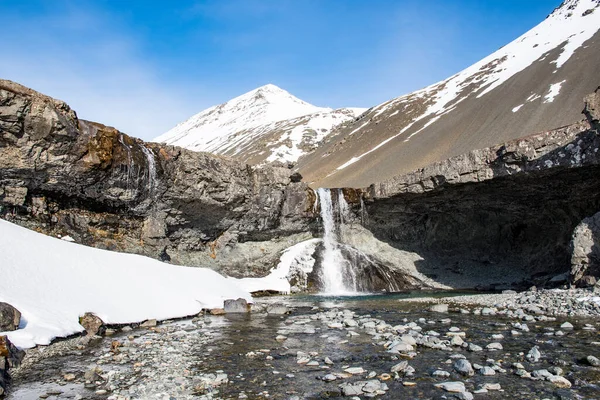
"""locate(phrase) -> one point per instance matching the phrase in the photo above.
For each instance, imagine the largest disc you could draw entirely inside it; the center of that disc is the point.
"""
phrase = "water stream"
(337, 275)
(259, 353)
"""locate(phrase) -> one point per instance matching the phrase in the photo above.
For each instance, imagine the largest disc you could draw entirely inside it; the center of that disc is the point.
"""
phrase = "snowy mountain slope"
(53, 282)
(535, 83)
(265, 124)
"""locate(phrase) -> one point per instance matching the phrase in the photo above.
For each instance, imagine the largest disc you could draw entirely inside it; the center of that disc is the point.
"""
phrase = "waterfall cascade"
(337, 274)
(152, 181)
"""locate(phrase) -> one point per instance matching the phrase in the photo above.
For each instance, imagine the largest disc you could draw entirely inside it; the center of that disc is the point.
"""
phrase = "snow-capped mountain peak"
(240, 126)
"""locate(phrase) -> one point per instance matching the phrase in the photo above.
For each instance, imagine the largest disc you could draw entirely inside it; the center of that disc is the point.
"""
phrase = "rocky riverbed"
(358, 347)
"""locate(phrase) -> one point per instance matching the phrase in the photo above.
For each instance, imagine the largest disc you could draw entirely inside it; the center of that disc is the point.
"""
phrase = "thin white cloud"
(82, 59)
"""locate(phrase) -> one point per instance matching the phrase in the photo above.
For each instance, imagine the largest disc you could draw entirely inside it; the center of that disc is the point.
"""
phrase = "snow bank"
(294, 258)
(53, 282)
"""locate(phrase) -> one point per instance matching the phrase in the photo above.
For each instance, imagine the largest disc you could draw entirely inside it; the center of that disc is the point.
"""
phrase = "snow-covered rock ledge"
(53, 282)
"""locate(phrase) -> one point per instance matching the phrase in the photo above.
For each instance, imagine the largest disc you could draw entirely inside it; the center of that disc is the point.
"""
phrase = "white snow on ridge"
(53, 282)
(235, 126)
(553, 91)
(568, 26)
(517, 108)
(260, 106)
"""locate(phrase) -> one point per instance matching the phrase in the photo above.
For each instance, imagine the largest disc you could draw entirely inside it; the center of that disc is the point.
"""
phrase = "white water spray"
(336, 272)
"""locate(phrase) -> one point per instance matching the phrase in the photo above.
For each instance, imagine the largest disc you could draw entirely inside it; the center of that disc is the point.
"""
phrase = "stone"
(566, 325)
(463, 367)
(534, 354)
(452, 387)
(217, 311)
(487, 371)
(92, 324)
(491, 386)
(151, 323)
(10, 317)
(474, 348)
(440, 308)
(494, 346)
(456, 341)
(593, 361)
(277, 309)
(232, 306)
(355, 370)
(464, 396)
(400, 367)
(559, 381)
(585, 248)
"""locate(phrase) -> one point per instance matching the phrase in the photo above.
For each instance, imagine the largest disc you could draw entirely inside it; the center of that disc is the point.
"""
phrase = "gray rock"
(463, 367)
(534, 354)
(277, 309)
(236, 306)
(585, 248)
(487, 371)
(10, 317)
(92, 324)
(441, 308)
(452, 387)
(593, 361)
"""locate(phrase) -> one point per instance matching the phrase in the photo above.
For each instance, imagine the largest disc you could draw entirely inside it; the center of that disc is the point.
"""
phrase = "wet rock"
(10, 317)
(452, 387)
(277, 309)
(593, 361)
(559, 381)
(217, 311)
(534, 354)
(440, 308)
(92, 324)
(566, 325)
(494, 346)
(463, 367)
(232, 306)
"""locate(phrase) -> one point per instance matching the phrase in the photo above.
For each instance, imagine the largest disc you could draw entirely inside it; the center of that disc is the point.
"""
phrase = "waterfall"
(151, 169)
(337, 275)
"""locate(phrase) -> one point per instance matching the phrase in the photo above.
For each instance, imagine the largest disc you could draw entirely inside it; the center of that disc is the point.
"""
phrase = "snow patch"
(54, 282)
(553, 92)
(517, 108)
(296, 257)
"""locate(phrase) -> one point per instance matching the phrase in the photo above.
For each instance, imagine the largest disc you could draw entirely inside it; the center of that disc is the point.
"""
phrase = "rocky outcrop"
(585, 258)
(10, 317)
(493, 217)
(64, 176)
(10, 357)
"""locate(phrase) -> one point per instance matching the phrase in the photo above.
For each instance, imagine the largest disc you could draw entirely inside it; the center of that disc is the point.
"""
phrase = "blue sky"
(144, 66)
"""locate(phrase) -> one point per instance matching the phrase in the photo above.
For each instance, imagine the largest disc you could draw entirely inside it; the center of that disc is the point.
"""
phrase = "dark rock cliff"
(65, 176)
(494, 217)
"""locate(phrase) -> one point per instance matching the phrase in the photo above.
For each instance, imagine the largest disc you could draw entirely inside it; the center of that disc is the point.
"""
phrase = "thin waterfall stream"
(337, 276)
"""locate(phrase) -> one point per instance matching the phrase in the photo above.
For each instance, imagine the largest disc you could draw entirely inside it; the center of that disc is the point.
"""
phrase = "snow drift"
(53, 282)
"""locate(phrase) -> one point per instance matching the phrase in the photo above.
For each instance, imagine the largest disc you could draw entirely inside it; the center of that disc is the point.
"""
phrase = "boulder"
(277, 309)
(585, 252)
(441, 308)
(236, 306)
(10, 357)
(92, 324)
(10, 317)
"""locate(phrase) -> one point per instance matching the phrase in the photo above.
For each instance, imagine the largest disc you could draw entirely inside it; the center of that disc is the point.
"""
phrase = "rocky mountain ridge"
(532, 84)
(266, 124)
